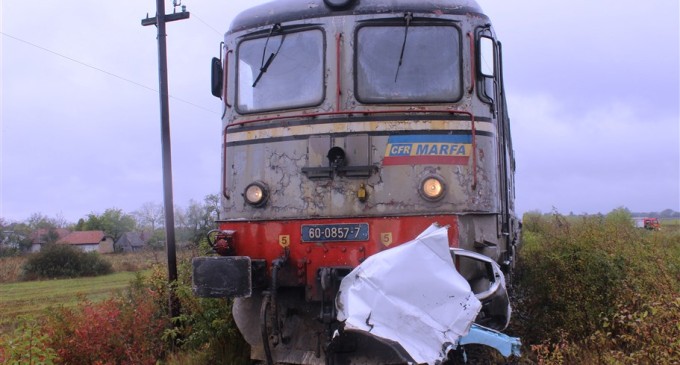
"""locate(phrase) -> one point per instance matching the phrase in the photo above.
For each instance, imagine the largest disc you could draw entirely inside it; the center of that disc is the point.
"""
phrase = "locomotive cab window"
(486, 61)
(282, 70)
(408, 63)
(486, 56)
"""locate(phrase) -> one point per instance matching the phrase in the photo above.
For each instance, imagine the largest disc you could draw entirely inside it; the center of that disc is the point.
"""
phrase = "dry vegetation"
(589, 289)
(593, 289)
(10, 268)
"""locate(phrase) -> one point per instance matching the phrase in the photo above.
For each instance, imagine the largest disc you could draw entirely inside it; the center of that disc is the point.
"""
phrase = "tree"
(3, 225)
(113, 222)
(80, 226)
(51, 236)
(151, 215)
(197, 221)
(620, 215)
(667, 213)
(181, 224)
(212, 205)
(157, 239)
(45, 228)
(41, 221)
(199, 218)
(16, 238)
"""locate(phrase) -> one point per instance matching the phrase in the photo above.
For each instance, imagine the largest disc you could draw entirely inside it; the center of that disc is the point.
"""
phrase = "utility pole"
(159, 21)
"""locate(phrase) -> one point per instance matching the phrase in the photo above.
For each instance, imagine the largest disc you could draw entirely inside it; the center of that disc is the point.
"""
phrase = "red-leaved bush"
(121, 331)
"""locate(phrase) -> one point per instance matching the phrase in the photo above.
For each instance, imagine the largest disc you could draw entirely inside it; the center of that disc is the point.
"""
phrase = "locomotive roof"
(289, 10)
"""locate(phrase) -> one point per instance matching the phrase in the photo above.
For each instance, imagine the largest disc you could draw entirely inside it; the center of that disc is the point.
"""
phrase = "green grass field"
(670, 224)
(35, 297)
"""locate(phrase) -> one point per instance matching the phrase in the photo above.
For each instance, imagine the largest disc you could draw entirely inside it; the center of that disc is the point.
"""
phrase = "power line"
(206, 24)
(105, 72)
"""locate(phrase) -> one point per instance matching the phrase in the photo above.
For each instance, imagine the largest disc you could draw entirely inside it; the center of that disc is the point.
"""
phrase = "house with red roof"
(89, 241)
(43, 236)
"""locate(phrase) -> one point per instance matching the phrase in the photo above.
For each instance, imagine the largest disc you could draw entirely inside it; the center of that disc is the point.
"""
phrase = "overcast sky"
(592, 87)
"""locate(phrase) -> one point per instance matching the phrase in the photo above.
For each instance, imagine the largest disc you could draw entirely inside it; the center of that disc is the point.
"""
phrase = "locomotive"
(349, 127)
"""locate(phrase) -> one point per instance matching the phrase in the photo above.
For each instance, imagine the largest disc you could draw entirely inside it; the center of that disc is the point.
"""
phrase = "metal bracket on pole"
(168, 18)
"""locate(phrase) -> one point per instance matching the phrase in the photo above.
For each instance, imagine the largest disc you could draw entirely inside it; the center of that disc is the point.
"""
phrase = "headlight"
(256, 194)
(432, 188)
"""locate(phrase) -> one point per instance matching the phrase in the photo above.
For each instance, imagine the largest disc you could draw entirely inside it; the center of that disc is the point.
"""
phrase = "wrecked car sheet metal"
(411, 294)
(505, 344)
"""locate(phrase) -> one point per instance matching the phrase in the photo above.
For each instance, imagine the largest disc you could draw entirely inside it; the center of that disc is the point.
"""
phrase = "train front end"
(349, 128)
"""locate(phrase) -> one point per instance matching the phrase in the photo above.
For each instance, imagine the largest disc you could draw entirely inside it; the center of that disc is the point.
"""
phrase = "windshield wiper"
(407, 17)
(265, 65)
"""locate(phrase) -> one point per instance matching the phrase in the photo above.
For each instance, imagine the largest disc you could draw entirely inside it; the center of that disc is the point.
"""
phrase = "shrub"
(9, 252)
(122, 330)
(63, 261)
(567, 282)
(27, 345)
(593, 289)
(569, 288)
(642, 332)
(205, 325)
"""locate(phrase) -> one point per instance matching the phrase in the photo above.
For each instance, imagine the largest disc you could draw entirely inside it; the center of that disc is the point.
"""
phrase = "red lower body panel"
(269, 240)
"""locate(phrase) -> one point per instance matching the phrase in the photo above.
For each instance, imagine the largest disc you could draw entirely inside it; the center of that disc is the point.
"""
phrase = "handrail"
(474, 153)
(338, 82)
(351, 113)
(473, 60)
(224, 166)
(226, 77)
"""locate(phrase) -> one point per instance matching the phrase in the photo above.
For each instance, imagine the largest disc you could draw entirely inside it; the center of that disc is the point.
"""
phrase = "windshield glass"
(281, 71)
(428, 71)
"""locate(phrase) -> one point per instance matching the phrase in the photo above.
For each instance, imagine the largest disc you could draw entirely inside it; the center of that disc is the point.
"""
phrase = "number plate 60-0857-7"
(335, 232)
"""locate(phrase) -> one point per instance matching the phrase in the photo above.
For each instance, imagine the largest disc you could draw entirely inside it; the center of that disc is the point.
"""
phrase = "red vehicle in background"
(651, 224)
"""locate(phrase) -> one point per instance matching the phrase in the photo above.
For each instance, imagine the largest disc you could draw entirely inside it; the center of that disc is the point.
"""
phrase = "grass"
(670, 224)
(35, 297)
